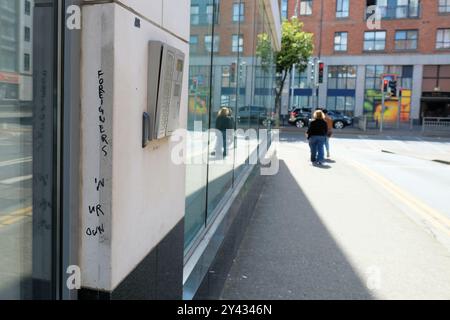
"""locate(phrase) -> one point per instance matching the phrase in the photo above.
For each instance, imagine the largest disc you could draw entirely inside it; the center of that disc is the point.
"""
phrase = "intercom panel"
(165, 82)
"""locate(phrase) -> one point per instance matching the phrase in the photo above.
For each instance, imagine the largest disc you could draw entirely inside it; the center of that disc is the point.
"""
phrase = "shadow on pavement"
(288, 253)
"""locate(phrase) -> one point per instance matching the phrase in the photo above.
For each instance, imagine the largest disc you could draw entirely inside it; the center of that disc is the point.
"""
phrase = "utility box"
(165, 82)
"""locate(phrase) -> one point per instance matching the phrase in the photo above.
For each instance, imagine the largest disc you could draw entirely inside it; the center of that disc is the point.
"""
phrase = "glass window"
(195, 14)
(237, 43)
(209, 13)
(238, 12)
(342, 77)
(28, 150)
(27, 7)
(305, 7)
(342, 8)
(444, 6)
(193, 44)
(27, 34)
(406, 40)
(374, 40)
(212, 43)
(284, 9)
(342, 104)
(340, 41)
(26, 62)
(443, 39)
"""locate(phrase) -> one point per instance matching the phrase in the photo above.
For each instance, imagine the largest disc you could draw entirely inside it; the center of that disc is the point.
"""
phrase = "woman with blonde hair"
(317, 134)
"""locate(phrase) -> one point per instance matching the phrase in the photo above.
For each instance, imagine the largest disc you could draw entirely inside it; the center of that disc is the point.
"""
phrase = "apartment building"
(411, 39)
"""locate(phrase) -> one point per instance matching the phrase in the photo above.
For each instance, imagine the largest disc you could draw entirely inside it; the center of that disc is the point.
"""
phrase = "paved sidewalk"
(333, 234)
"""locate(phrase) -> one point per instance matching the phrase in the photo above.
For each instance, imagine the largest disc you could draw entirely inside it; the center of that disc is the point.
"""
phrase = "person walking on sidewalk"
(317, 134)
(224, 121)
(329, 122)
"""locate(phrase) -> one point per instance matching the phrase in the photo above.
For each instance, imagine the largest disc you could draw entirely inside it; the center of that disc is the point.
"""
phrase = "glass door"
(29, 126)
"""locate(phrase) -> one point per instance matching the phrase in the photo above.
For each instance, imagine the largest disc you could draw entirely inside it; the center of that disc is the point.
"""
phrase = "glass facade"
(28, 149)
(341, 89)
(227, 79)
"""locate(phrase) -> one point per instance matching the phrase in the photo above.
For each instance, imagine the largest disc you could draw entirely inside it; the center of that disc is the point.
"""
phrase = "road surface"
(373, 224)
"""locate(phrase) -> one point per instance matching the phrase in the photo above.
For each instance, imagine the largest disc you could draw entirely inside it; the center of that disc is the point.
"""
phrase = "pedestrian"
(329, 122)
(316, 134)
(224, 121)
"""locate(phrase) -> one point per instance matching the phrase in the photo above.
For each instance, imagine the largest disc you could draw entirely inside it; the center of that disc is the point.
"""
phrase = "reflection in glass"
(26, 149)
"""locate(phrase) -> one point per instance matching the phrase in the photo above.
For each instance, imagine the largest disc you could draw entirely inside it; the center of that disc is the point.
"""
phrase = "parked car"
(254, 114)
(300, 117)
(340, 120)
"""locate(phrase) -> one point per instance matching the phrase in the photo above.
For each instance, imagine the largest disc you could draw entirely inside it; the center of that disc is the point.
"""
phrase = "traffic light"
(385, 85)
(321, 67)
(233, 72)
(393, 88)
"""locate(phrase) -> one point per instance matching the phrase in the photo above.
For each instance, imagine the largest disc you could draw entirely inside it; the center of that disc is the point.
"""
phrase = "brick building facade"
(412, 40)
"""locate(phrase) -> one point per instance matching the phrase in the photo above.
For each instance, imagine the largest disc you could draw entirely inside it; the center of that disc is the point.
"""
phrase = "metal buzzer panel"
(165, 80)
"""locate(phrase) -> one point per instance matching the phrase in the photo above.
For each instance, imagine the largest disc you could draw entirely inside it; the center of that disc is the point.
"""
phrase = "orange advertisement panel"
(391, 108)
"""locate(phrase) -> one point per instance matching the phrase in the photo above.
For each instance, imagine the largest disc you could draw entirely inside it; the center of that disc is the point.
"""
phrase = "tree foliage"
(297, 47)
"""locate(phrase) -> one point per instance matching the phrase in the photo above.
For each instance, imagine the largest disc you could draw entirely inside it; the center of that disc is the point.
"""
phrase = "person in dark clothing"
(317, 134)
(224, 121)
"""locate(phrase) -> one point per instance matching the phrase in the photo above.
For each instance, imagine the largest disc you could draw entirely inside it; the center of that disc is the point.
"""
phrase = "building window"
(342, 8)
(406, 40)
(284, 9)
(443, 39)
(306, 7)
(26, 62)
(27, 7)
(237, 43)
(342, 77)
(212, 43)
(374, 73)
(27, 34)
(238, 12)
(396, 9)
(444, 6)
(374, 40)
(340, 41)
(193, 44)
(195, 15)
(342, 104)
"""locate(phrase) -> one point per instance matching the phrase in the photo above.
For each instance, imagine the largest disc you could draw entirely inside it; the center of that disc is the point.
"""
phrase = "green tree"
(296, 48)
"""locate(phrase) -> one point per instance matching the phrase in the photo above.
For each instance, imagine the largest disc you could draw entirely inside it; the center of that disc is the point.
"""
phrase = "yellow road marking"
(16, 216)
(433, 216)
(12, 220)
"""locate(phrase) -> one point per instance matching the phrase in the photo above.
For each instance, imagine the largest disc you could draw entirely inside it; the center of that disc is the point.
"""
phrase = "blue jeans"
(327, 145)
(316, 144)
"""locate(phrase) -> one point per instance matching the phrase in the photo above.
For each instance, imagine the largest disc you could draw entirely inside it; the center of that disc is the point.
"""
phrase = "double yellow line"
(430, 215)
(15, 216)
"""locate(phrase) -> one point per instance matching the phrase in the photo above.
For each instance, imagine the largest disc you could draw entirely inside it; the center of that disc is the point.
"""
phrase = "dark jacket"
(317, 128)
(224, 122)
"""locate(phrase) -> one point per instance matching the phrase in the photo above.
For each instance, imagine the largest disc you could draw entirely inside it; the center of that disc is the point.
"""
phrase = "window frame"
(339, 9)
(446, 6)
(374, 41)
(303, 10)
(340, 33)
(240, 17)
(239, 46)
(444, 31)
(406, 40)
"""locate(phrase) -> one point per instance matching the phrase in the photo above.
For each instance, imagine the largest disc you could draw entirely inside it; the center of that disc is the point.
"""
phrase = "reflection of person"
(317, 133)
(224, 121)
(329, 122)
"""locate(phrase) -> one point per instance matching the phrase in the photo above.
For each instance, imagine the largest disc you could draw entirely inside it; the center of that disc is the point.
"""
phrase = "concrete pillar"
(360, 90)
(416, 91)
